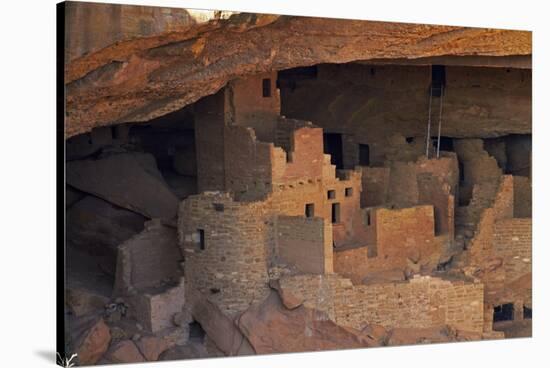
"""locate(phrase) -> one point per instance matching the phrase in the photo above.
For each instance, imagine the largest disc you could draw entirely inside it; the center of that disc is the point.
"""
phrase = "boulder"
(376, 332)
(118, 333)
(181, 319)
(82, 301)
(272, 328)
(289, 300)
(151, 347)
(97, 227)
(92, 341)
(124, 352)
(72, 196)
(410, 336)
(129, 180)
(218, 327)
(190, 351)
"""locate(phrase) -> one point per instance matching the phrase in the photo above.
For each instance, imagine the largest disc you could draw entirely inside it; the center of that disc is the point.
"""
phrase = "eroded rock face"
(98, 228)
(189, 351)
(151, 347)
(82, 301)
(220, 328)
(272, 328)
(93, 341)
(124, 352)
(370, 103)
(139, 73)
(129, 180)
(410, 336)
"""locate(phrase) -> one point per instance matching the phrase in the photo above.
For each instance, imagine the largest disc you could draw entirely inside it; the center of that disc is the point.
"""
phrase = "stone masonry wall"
(375, 186)
(250, 108)
(156, 310)
(437, 181)
(401, 237)
(522, 197)
(248, 164)
(306, 158)
(209, 142)
(148, 259)
(405, 232)
(230, 267)
(422, 302)
(403, 186)
(424, 181)
(238, 227)
(284, 131)
(368, 103)
(353, 263)
(479, 166)
(501, 249)
(513, 243)
(303, 242)
(481, 247)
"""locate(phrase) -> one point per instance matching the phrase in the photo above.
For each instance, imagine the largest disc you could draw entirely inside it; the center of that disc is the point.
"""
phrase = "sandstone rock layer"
(149, 62)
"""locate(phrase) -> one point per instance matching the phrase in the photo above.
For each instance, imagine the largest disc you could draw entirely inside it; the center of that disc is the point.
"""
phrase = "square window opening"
(331, 194)
(348, 192)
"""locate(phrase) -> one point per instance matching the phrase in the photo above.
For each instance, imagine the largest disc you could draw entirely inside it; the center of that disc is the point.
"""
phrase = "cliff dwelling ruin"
(283, 198)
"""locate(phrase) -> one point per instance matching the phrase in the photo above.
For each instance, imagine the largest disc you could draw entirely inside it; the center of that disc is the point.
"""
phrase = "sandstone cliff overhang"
(131, 63)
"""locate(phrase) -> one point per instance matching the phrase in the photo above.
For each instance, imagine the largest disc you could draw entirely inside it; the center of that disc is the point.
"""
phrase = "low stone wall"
(155, 309)
(148, 259)
(421, 302)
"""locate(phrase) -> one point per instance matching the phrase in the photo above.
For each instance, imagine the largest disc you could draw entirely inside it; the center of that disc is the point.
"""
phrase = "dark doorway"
(445, 144)
(335, 213)
(504, 312)
(310, 209)
(332, 145)
(438, 79)
(364, 155)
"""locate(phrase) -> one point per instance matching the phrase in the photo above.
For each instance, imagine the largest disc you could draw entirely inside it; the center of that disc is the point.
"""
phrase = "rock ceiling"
(132, 63)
